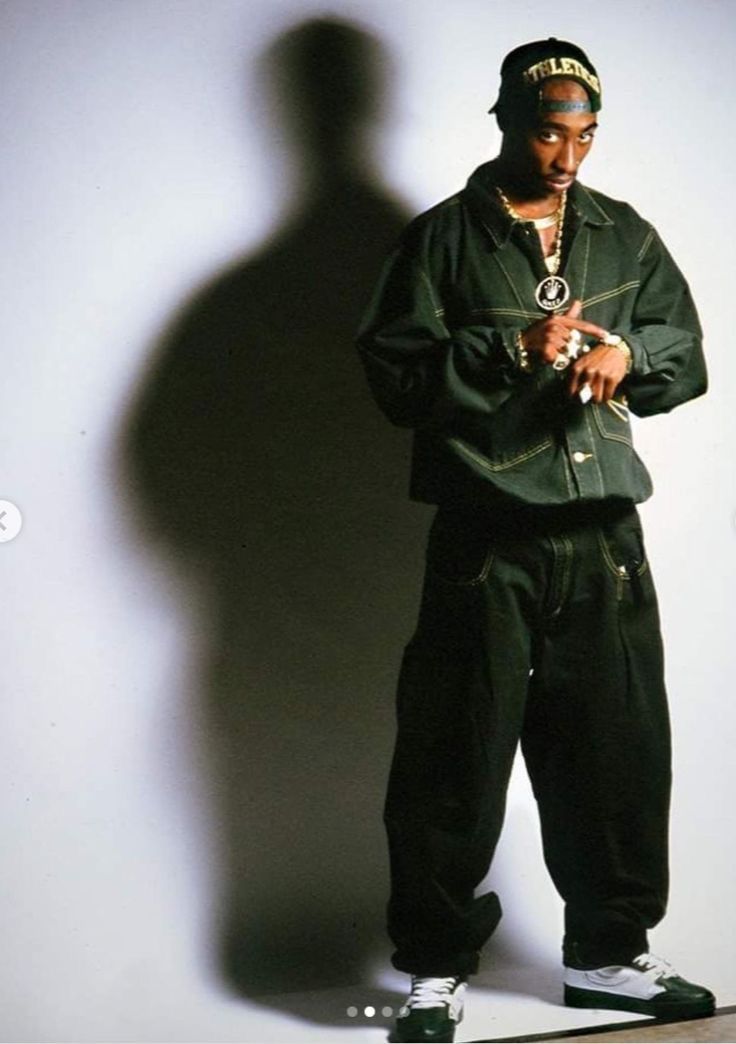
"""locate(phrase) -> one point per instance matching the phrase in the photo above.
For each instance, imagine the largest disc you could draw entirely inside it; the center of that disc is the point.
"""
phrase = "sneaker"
(432, 1011)
(648, 985)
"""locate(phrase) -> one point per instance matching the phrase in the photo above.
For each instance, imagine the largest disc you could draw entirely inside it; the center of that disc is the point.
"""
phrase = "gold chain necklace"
(553, 292)
(539, 223)
(557, 217)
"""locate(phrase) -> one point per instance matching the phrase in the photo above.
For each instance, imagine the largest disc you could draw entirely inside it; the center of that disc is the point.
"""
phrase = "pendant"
(552, 293)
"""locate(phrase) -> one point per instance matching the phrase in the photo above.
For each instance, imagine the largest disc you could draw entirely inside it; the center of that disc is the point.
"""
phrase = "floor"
(524, 1005)
(722, 1027)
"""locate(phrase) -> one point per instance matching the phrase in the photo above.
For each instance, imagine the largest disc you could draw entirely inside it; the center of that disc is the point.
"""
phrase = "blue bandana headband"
(556, 105)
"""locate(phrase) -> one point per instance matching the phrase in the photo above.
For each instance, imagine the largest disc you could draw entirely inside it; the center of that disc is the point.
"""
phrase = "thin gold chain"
(553, 262)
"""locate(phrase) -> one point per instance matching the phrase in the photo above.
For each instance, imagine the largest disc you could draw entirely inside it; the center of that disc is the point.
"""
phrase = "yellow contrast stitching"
(612, 293)
(595, 459)
(517, 313)
(428, 283)
(489, 465)
(512, 284)
(620, 409)
(565, 578)
(645, 245)
(481, 578)
(626, 439)
(596, 204)
(612, 565)
(585, 263)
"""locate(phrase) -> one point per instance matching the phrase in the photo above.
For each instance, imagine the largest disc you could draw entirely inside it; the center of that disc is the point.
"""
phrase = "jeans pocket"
(459, 549)
(622, 546)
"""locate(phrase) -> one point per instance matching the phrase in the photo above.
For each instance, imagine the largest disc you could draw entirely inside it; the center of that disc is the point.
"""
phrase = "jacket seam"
(608, 294)
(607, 219)
(645, 245)
(475, 581)
(585, 262)
(517, 313)
(599, 473)
(510, 281)
(627, 440)
(566, 569)
(495, 466)
(437, 307)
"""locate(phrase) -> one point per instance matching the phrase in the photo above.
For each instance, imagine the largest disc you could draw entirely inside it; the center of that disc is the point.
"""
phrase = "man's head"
(527, 69)
(546, 108)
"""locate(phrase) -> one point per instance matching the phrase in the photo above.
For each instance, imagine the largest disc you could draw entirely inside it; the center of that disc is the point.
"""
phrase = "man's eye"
(585, 138)
(547, 136)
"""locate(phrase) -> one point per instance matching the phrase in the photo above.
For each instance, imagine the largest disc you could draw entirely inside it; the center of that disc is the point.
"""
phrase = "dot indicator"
(387, 1012)
(352, 1012)
(11, 521)
(369, 1012)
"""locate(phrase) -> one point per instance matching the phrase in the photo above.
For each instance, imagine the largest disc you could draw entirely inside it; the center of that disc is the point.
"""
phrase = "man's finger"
(577, 377)
(583, 326)
(575, 309)
(610, 388)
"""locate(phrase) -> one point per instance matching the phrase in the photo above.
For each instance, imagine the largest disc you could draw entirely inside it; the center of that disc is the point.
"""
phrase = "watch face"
(552, 293)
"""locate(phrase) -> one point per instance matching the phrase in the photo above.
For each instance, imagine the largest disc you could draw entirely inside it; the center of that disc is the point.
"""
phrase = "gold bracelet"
(524, 360)
(614, 341)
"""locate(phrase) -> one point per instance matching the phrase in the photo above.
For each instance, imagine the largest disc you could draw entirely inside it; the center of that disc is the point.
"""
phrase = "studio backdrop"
(219, 566)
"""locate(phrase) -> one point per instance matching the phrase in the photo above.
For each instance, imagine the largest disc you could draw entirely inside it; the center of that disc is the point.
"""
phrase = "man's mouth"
(560, 181)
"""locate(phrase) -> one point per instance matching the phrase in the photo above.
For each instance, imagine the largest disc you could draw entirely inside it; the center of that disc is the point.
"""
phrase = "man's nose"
(566, 160)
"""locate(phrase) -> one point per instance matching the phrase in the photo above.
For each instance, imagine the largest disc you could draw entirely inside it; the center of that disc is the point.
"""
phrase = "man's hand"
(547, 337)
(602, 369)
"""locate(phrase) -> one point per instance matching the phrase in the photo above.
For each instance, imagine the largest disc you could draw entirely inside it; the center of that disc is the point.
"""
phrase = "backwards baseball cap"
(525, 69)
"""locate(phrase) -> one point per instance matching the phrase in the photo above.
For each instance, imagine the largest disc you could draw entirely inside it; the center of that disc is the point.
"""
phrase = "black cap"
(525, 69)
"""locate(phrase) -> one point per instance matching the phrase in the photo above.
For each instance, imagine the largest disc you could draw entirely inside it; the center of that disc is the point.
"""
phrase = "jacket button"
(578, 456)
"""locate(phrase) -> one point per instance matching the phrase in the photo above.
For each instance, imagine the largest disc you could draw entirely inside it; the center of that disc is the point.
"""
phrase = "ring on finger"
(572, 344)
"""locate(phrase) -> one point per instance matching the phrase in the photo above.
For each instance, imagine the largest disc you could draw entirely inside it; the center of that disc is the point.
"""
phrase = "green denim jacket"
(438, 346)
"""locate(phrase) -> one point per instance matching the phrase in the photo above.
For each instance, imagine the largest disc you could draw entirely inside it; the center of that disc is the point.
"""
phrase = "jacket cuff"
(639, 357)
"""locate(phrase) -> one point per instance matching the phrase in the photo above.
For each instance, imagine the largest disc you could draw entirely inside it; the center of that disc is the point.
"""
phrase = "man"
(514, 327)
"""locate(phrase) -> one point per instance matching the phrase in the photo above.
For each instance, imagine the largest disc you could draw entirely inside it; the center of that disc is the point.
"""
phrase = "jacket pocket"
(503, 464)
(459, 549)
(612, 420)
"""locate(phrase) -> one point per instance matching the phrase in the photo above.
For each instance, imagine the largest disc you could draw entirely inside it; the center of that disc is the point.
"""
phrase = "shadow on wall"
(259, 462)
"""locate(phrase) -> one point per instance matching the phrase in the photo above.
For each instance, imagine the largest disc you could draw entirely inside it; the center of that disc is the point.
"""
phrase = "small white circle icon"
(11, 521)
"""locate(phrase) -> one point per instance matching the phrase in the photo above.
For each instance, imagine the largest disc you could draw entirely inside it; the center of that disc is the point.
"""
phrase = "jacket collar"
(483, 199)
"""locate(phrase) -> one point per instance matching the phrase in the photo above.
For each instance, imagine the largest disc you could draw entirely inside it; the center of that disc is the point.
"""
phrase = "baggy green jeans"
(540, 628)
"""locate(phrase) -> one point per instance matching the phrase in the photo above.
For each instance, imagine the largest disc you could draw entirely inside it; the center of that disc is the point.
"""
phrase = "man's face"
(545, 158)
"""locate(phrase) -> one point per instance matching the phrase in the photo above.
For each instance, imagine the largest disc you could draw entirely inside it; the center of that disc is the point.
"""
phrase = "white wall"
(143, 158)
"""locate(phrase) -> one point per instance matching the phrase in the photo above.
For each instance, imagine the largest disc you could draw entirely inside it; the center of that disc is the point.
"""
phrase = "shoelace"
(431, 993)
(650, 962)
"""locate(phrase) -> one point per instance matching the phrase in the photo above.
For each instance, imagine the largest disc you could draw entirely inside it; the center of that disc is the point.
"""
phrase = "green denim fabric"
(503, 652)
(438, 344)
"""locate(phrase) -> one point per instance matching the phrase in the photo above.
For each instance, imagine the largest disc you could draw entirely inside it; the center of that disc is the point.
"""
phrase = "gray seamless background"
(205, 610)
